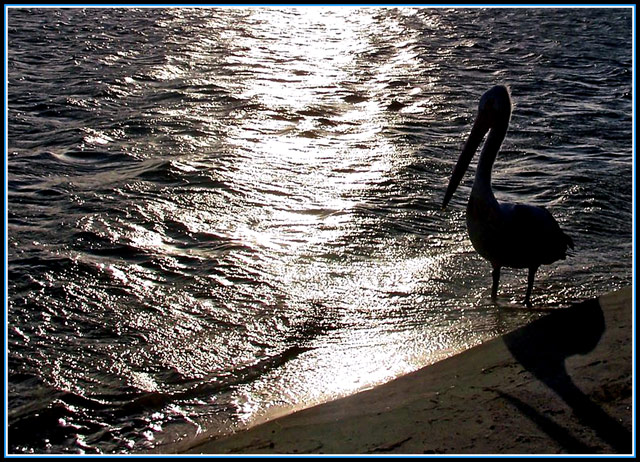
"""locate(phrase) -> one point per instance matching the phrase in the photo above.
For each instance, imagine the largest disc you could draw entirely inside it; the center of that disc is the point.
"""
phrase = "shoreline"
(559, 385)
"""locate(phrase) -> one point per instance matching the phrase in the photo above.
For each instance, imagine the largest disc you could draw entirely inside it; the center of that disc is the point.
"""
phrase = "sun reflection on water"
(314, 152)
(283, 215)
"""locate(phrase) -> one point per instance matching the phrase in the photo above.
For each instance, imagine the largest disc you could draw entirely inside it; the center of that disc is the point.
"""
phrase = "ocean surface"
(219, 215)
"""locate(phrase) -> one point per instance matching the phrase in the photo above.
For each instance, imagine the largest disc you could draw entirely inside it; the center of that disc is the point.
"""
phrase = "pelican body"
(511, 235)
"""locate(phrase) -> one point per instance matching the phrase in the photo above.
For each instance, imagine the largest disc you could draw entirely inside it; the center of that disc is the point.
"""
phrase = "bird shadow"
(542, 348)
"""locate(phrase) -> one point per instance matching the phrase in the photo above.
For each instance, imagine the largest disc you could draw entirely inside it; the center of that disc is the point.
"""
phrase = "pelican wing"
(539, 237)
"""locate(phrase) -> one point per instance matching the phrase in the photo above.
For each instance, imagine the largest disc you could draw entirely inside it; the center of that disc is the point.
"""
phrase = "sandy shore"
(562, 384)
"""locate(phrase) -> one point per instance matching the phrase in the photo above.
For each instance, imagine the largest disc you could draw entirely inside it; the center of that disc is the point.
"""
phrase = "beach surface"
(560, 385)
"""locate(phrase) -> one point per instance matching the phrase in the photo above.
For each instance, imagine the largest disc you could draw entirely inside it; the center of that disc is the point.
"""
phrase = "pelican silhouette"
(511, 235)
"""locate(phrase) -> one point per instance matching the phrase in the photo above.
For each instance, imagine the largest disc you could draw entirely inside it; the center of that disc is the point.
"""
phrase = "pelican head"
(495, 104)
(494, 111)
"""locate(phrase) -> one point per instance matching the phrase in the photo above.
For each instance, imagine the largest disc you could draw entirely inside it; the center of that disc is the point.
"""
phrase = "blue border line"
(634, 205)
(5, 232)
(268, 5)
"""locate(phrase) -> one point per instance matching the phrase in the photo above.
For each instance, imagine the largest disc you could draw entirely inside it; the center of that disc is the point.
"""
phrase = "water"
(220, 215)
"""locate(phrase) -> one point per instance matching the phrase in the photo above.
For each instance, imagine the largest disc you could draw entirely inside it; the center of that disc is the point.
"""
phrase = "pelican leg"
(532, 275)
(496, 279)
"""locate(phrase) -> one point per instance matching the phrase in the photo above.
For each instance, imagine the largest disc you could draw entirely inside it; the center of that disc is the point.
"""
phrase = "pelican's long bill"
(478, 131)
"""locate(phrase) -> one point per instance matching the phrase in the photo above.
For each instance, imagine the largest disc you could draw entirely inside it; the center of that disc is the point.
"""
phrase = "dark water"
(217, 215)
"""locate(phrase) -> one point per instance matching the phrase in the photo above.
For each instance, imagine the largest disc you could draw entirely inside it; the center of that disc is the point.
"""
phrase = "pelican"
(511, 235)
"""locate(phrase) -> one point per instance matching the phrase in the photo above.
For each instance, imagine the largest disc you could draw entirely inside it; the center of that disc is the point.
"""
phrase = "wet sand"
(562, 384)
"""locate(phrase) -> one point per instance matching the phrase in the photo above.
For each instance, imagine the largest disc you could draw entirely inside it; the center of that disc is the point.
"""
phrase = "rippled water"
(219, 215)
